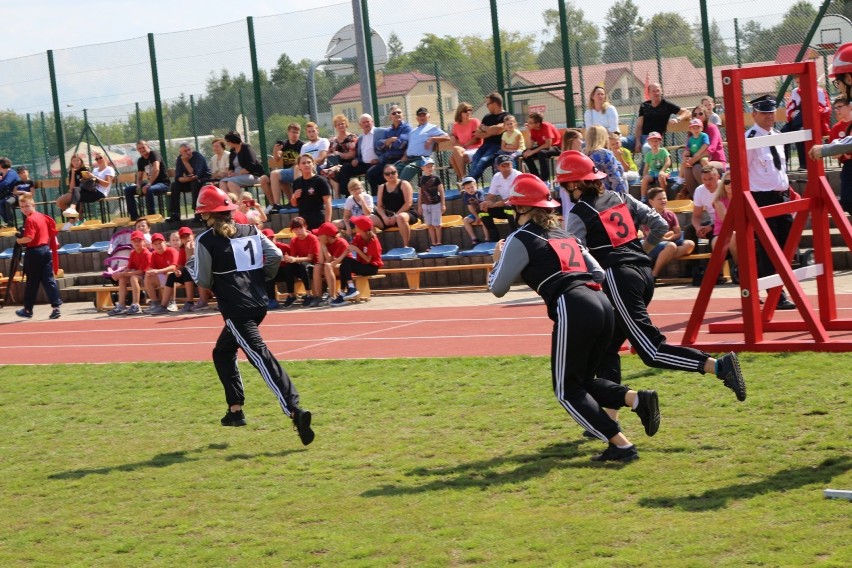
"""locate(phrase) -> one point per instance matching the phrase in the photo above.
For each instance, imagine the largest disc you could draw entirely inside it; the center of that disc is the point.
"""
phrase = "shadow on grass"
(482, 473)
(165, 460)
(781, 481)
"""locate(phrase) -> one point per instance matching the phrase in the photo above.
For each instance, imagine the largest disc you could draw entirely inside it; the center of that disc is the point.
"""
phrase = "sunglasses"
(99, 158)
(726, 181)
(390, 173)
(396, 112)
(698, 114)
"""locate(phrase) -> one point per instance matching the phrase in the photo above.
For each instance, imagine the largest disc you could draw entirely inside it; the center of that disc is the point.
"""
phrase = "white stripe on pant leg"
(559, 371)
(259, 364)
(643, 342)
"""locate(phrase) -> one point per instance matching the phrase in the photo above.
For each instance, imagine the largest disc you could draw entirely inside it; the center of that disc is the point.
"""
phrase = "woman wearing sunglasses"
(715, 152)
(94, 185)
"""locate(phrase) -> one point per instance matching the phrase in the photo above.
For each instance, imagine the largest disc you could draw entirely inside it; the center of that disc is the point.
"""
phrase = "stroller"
(118, 254)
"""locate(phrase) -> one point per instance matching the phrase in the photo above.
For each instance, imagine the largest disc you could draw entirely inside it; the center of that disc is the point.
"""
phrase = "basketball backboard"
(342, 46)
(834, 30)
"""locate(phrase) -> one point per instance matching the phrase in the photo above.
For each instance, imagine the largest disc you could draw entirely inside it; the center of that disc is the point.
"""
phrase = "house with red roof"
(410, 91)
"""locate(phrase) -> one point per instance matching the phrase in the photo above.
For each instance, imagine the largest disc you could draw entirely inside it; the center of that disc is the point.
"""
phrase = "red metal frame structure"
(748, 221)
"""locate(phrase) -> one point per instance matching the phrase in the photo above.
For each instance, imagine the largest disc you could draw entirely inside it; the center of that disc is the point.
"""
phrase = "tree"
(719, 50)
(395, 47)
(675, 37)
(454, 64)
(623, 23)
(519, 47)
(762, 45)
(579, 30)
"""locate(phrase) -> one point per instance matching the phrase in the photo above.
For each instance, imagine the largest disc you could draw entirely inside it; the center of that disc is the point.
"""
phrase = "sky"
(116, 71)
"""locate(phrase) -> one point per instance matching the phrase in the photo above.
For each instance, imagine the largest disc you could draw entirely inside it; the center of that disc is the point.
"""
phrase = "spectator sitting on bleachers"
(219, 161)
(605, 161)
(572, 140)
(702, 201)
(244, 169)
(180, 275)
(174, 241)
(163, 262)
(546, 144)
(655, 114)
(422, 141)
(151, 178)
(133, 273)
(366, 160)
(600, 111)
(312, 194)
(673, 244)
(332, 250)
(695, 149)
(471, 198)
(341, 150)
(393, 205)
(624, 157)
(366, 261)
(141, 224)
(8, 179)
(191, 172)
(710, 110)
(272, 285)
(512, 141)
(247, 204)
(304, 252)
(465, 144)
(656, 164)
(237, 215)
(96, 185)
(494, 206)
(490, 131)
(280, 181)
(721, 204)
(431, 205)
(358, 204)
(316, 147)
(715, 152)
(390, 146)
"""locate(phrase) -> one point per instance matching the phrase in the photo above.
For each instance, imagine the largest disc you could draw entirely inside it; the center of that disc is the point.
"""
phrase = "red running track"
(348, 333)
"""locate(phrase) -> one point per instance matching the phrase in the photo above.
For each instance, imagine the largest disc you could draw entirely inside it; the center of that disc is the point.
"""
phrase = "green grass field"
(428, 462)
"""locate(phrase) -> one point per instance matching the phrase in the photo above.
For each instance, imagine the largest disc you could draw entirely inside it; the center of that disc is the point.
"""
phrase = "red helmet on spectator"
(529, 190)
(211, 199)
(576, 166)
(842, 62)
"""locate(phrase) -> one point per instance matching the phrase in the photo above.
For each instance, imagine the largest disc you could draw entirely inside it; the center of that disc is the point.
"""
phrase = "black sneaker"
(306, 301)
(649, 411)
(302, 424)
(55, 314)
(784, 303)
(288, 301)
(237, 418)
(616, 454)
(728, 369)
(22, 313)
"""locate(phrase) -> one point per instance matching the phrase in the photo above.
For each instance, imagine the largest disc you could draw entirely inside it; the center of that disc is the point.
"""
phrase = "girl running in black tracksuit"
(606, 222)
(555, 265)
(235, 261)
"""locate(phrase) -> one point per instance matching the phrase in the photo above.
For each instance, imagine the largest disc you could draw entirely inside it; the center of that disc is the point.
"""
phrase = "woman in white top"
(601, 112)
(219, 161)
(96, 185)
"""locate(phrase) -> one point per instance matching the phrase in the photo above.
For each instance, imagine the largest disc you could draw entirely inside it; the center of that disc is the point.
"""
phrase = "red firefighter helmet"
(529, 190)
(576, 166)
(842, 62)
(211, 199)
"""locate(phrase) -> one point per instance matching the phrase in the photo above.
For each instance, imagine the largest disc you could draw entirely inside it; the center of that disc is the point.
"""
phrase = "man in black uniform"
(235, 261)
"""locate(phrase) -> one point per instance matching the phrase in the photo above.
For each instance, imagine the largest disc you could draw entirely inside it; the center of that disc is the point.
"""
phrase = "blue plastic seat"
(401, 253)
(482, 249)
(100, 246)
(338, 203)
(70, 248)
(284, 210)
(452, 195)
(440, 251)
(6, 254)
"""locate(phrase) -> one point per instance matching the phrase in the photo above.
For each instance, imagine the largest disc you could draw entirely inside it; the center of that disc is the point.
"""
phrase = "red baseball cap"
(184, 231)
(364, 223)
(268, 233)
(137, 236)
(327, 229)
(157, 237)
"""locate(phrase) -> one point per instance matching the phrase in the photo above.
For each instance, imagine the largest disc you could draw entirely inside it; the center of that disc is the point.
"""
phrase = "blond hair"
(606, 104)
(596, 138)
(223, 225)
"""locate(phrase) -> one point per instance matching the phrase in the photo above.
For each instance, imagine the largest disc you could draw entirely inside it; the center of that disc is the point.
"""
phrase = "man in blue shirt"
(391, 146)
(421, 143)
(7, 184)
(490, 130)
(191, 172)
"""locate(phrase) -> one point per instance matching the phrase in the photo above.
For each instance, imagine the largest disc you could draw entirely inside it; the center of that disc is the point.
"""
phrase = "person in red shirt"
(132, 272)
(39, 234)
(180, 275)
(272, 285)
(304, 252)
(163, 262)
(366, 261)
(544, 144)
(333, 248)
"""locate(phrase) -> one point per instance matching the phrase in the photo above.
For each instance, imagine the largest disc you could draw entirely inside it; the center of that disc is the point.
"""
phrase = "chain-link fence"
(204, 79)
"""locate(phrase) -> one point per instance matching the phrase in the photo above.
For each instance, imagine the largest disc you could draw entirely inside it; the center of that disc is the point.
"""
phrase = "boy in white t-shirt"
(358, 204)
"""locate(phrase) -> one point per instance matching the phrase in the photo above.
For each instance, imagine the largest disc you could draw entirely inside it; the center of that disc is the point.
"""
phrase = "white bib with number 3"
(247, 253)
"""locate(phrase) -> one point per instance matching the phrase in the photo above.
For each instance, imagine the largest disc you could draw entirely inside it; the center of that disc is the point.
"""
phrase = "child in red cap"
(163, 262)
(333, 248)
(366, 261)
(132, 272)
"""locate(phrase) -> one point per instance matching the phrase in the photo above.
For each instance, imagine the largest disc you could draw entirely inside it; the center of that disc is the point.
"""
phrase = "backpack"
(118, 252)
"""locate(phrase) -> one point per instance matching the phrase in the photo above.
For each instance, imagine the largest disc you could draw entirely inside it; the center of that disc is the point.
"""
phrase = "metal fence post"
(371, 69)
(498, 51)
(659, 56)
(243, 116)
(192, 120)
(57, 119)
(158, 105)
(570, 111)
(708, 57)
(46, 147)
(258, 98)
(32, 144)
(138, 123)
(438, 90)
(582, 82)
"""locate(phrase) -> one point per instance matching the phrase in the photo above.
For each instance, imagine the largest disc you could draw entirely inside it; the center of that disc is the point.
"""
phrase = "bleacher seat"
(440, 251)
(100, 246)
(338, 203)
(70, 248)
(401, 253)
(452, 194)
(6, 254)
(482, 249)
(286, 210)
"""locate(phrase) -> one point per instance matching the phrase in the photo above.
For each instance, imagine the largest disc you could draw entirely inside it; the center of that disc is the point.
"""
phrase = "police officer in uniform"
(555, 265)
(235, 261)
(767, 176)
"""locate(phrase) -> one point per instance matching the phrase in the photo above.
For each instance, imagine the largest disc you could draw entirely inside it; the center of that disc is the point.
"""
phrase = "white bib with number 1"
(248, 254)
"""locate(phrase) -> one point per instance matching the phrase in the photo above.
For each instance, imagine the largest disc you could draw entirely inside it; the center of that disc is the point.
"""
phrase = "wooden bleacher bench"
(103, 295)
(362, 284)
(412, 276)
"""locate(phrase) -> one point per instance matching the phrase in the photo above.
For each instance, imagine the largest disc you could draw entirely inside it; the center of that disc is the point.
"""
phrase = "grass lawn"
(425, 462)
